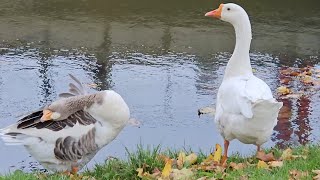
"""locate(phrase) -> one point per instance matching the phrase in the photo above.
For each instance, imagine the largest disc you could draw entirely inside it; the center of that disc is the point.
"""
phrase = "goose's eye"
(228, 9)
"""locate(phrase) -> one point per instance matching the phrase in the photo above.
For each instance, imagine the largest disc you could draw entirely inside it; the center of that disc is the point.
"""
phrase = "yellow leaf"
(275, 163)
(191, 158)
(287, 154)
(262, 164)
(181, 159)
(217, 153)
(306, 79)
(167, 169)
(283, 90)
(140, 172)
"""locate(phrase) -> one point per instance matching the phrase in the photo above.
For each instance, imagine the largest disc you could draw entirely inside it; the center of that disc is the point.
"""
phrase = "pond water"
(164, 57)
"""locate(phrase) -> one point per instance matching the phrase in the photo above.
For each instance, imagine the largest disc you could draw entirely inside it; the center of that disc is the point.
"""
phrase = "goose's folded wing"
(33, 121)
(239, 95)
(72, 138)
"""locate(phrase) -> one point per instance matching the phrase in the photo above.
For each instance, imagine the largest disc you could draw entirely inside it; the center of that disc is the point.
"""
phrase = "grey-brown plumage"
(71, 149)
(72, 129)
(33, 121)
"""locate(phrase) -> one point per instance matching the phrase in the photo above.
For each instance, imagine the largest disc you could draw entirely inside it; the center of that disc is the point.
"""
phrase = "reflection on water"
(163, 57)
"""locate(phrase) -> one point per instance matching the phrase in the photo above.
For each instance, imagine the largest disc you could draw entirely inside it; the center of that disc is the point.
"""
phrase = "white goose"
(66, 134)
(245, 109)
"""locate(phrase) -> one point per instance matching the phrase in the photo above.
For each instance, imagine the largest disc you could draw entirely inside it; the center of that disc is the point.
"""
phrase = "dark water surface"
(164, 57)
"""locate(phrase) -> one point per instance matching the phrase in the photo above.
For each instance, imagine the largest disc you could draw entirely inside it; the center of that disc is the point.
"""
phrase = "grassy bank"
(152, 163)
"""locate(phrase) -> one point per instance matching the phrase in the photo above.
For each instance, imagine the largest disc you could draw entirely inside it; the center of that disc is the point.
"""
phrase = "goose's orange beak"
(46, 115)
(215, 13)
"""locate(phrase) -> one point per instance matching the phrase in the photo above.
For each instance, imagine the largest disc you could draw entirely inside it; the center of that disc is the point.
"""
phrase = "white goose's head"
(230, 12)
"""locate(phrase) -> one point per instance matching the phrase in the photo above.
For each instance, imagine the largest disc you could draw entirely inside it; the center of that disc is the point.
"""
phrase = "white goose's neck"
(239, 63)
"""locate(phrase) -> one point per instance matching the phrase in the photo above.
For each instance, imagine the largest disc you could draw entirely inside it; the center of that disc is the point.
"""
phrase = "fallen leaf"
(283, 90)
(237, 166)
(285, 80)
(218, 153)
(299, 156)
(261, 155)
(317, 172)
(244, 177)
(306, 79)
(287, 154)
(219, 169)
(191, 158)
(210, 110)
(156, 172)
(167, 169)
(292, 96)
(289, 72)
(262, 164)
(181, 159)
(182, 174)
(297, 175)
(140, 172)
(275, 163)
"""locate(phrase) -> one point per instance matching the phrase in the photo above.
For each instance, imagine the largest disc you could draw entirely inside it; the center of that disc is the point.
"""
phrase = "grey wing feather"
(75, 88)
(71, 149)
(66, 95)
(80, 87)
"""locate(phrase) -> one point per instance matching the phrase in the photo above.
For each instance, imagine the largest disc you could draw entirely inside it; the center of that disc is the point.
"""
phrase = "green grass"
(148, 159)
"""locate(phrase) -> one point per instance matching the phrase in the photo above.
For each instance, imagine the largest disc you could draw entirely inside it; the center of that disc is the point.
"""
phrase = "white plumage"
(245, 108)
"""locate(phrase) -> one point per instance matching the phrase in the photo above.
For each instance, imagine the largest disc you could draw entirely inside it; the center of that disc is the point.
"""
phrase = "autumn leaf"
(237, 166)
(285, 80)
(167, 169)
(181, 160)
(275, 163)
(317, 172)
(289, 72)
(218, 153)
(244, 177)
(283, 90)
(287, 154)
(306, 79)
(261, 155)
(297, 175)
(140, 172)
(191, 158)
(182, 174)
(262, 165)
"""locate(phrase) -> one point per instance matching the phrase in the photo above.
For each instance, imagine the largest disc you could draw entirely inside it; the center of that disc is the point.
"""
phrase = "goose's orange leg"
(225, 152)
(74, 170)
(258, 148)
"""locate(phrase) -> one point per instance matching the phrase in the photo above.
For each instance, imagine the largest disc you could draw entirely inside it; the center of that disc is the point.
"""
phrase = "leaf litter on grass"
(188, 166)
